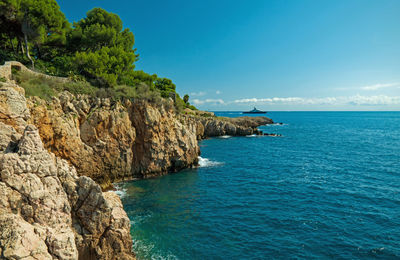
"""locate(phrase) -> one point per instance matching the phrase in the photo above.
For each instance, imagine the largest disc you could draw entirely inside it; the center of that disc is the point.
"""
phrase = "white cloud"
(198, 94)
(351, 100)
(379, 86)
(208, 101)
(268, 100)
(218, 92)
(371, 87)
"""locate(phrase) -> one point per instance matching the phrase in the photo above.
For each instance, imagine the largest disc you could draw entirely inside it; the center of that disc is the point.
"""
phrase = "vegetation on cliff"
(95, 51)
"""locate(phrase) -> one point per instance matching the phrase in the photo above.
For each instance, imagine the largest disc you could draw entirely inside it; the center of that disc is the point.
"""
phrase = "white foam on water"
(253, 135)
(121, 192)
(225, 136)
(276, 124)
(151, 252)
(204, 162)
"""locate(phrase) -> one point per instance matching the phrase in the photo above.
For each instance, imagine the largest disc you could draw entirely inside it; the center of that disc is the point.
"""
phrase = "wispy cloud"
(269, 100)
(379, 86)
(218, 92)
(351, 100)
(208, 101)
(371, 87)
(356, 100)
(198, 94)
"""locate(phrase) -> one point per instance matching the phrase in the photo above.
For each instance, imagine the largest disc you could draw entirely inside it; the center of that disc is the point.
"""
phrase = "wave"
(278, 124)
(225, 136)
(121, 192)
(149, 250)
(204, 162)
(253, 135)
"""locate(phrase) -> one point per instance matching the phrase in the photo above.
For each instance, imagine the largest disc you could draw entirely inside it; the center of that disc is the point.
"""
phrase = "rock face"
(13, 109)
(164, 143)
(93, 135)
(239, 126)
(112, 141)
(46, 210)
(50, 208)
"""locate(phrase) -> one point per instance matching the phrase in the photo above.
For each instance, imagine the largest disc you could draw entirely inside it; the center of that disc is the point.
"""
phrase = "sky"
(276, 55)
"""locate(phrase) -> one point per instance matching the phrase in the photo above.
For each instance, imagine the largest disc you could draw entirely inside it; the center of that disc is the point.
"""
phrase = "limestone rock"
(164, 142)
(113, 141)
(13, 109)
(240, 126)
(48, 212)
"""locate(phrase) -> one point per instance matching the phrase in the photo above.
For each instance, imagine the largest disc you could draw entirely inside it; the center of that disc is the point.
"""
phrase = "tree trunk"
(12, 44)
(27, 50)
(21, 46)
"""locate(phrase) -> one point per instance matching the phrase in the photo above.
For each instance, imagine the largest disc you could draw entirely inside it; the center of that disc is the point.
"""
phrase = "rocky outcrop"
(239, 126)
(164, 142)
(93, 135)
(54, 154)
(13, 109)
(46, 210)
(112, 141)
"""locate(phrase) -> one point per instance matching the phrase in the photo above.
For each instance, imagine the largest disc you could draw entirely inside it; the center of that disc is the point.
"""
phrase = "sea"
(328, 188)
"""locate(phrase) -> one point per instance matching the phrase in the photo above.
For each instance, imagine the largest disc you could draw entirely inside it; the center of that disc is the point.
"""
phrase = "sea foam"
(120, 191)
(204, 162)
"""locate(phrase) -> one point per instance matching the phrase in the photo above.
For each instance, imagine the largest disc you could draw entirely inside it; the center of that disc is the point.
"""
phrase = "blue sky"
(275, 55)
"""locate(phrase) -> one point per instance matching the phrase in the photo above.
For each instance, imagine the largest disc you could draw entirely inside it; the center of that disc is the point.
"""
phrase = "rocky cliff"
(112, 141)
(46, 210)
(239, 126)
(54, 153)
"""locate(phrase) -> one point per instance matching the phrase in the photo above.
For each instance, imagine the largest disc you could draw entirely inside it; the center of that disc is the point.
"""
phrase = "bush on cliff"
(48, 87)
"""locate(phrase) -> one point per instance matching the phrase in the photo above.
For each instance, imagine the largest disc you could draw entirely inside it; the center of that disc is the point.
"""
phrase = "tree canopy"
(97, 47)
(33, 22)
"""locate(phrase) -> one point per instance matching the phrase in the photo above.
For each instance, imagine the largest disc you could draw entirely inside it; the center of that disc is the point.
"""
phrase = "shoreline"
(96, 143)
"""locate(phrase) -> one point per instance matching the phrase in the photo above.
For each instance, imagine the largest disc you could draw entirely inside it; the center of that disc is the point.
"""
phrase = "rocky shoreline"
(113, 141)
(57, 156)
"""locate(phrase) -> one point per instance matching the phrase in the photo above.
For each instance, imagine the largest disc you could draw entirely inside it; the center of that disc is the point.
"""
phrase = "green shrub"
(43, 91)
(80, 87)
(47, 87)
(192, 107)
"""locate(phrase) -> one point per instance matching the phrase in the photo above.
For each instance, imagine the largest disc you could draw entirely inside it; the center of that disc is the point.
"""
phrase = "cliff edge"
(54, 154)
(111, 141)
(46, 210)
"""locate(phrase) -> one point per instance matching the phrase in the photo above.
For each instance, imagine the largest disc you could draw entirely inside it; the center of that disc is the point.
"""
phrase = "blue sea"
(329, 188)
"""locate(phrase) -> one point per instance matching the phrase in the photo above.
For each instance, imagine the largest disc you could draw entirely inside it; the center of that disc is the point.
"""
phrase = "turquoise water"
(329, 188)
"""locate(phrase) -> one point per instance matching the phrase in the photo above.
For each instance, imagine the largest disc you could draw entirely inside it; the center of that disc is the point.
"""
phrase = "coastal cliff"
(111, 141)
(46, 210)
(58, 156)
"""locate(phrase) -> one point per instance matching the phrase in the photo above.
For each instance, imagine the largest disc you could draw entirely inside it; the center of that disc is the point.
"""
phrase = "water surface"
(329, 188)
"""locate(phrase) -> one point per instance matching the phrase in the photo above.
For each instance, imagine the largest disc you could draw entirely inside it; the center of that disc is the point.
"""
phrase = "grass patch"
(48, 87)
(41, 90)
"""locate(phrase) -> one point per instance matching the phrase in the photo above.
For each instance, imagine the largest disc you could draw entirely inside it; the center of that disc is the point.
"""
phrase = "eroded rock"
(48, 212)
